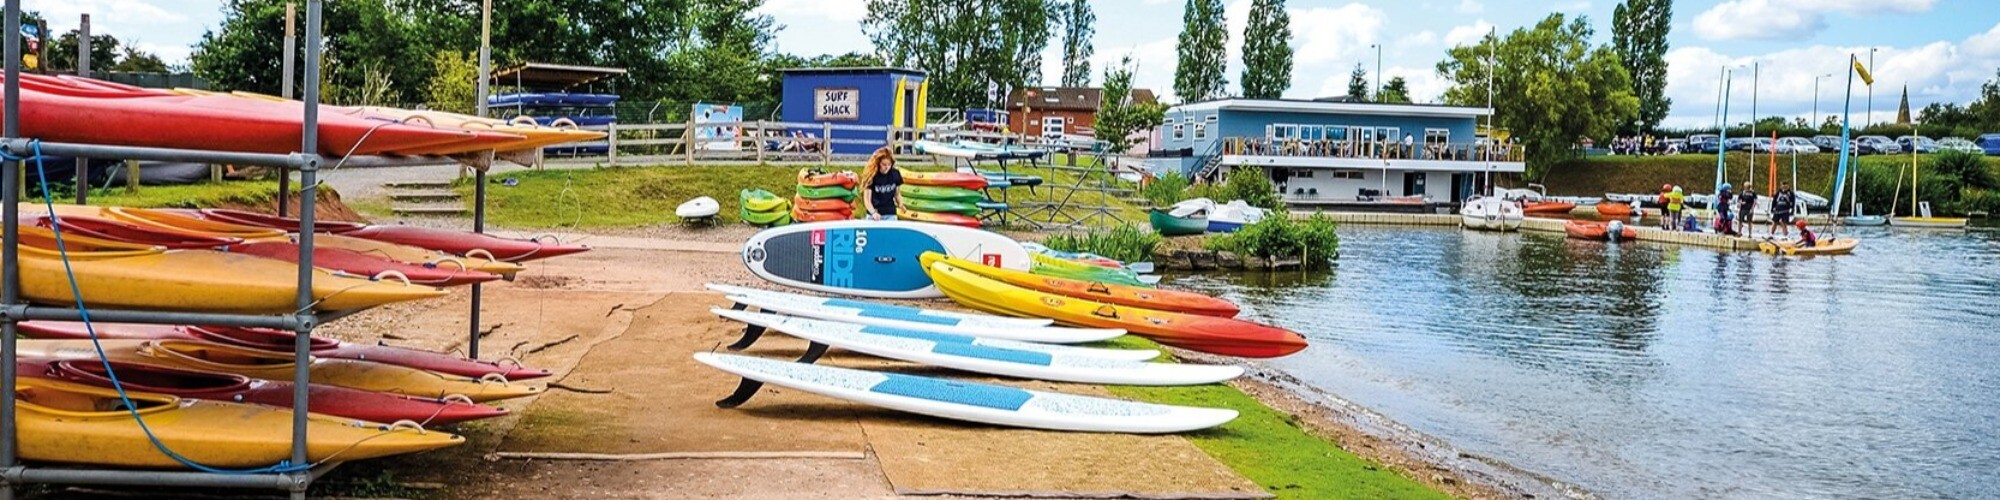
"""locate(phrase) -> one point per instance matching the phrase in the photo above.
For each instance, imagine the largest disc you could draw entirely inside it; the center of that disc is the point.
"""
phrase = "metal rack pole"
(10, 239)
(479, 173)
(82, 71)
(285, 91)
(309, 187)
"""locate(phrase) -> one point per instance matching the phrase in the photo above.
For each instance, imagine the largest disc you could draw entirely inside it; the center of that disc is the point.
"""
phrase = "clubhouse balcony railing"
(1378, 150)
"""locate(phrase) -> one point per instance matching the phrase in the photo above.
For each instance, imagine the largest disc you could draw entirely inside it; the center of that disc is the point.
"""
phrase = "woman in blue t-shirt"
(881, 185)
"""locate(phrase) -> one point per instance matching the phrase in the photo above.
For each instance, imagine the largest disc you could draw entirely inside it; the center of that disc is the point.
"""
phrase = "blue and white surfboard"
(789, 324)
(972, 327)
(970, 401)
(871, 258)
(1015, 359)
(880, 309)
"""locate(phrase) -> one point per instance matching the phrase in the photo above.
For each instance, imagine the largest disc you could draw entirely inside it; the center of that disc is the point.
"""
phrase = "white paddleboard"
(863, 305)
(870, 258)
(787, 323)
(958, 354)
(698, 208)
(974, 402)
(1043, 334)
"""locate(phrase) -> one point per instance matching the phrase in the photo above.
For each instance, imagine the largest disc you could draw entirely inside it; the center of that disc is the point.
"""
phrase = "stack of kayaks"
(1090, 305)
(829, 203)
(948, 201)
(960, 342)
(761, 208)
(1049, 265)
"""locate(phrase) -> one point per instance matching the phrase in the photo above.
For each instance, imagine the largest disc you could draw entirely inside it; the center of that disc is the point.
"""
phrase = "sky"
(1941, 49)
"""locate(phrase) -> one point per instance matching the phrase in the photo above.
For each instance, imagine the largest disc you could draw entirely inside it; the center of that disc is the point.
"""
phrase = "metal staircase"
(1211, 164)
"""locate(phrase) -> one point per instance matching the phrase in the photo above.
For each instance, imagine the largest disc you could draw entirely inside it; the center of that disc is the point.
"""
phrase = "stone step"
(424, 196)
(419, 185)
(429, 210)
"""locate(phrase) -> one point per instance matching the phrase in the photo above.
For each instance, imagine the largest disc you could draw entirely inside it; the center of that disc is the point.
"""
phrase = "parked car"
(1799, 145)
(1918, 143)
(1958, 144)
(1740, 143)
(1990, 143)
(1876, 145)
(1675, 146)
(1760, 145)
(1701, 143)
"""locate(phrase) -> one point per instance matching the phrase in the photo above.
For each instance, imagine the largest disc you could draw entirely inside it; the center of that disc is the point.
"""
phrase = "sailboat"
(1859, 219)
(1920, 212)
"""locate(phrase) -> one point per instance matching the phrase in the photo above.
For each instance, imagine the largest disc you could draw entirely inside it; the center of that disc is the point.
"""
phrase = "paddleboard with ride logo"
(870, 258)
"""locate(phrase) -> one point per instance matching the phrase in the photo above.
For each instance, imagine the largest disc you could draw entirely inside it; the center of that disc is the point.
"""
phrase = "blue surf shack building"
(857, 105)
(1333, 153)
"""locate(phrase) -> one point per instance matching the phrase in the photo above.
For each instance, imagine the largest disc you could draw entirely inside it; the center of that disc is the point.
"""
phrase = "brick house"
(1055, 112)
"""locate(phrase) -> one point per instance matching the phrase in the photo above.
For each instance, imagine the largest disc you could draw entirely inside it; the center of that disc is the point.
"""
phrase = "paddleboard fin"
(750, 332)
(749, 387)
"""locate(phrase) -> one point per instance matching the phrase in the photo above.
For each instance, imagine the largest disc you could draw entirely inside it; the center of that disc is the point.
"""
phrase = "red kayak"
(281, 341)
(1547, 207)
(965, 180)
(1596, 231)
(132, 233)
(819, 215)
(364, 264)
(324, 399)
(56, 112)
(442, 240)
(813, 178)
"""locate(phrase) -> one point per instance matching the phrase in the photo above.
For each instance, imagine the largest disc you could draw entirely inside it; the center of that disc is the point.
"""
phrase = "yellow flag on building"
(1862, 71)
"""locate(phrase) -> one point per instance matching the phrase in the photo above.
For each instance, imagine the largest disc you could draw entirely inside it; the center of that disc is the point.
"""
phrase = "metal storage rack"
(13, 309)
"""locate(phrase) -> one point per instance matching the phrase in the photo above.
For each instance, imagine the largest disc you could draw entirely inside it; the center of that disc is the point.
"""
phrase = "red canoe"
(1586, 230)
(325, 399)
(274, 340)
(215, 122)
(1547, 207)
(442, 240)
(132, 233)
(364, 264)
(965, 180)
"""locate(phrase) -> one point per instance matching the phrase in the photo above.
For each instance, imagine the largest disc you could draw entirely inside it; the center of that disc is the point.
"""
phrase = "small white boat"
(1491, 214)
(1229, 217)
(698, 208)
(1930, 222)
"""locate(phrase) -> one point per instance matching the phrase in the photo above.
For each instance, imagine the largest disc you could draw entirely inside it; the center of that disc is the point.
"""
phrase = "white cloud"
(1984, 44)
(1758, 20)
(1153, 64)
(828, 10)
(1418, 39)
(1784, 86)
(1469, 34)
(1471, 7)
(1324, 35)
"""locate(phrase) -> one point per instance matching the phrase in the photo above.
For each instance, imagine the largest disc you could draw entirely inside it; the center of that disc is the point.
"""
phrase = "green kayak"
(940, 206)
(826, 192)
(1168, 225)
(1106, 275)
(942, 193)
(767, 218)
(758, 200)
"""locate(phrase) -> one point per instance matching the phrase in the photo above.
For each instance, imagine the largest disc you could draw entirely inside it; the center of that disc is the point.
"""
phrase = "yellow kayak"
(170, 221)
(221, 358)
(533, 135)
(1836, 246)
(128, 276)
(71, 423)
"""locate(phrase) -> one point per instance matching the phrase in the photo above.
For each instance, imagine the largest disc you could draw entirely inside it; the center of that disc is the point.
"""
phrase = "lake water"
(1654, 371)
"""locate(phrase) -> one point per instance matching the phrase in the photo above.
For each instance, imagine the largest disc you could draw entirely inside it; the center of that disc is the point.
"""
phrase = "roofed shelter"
(549, 76)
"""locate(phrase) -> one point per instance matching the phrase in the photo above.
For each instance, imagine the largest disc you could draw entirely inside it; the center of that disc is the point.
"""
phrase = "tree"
(1559, 87)
(104, 52)
(1202, 48)
(1830, 125)
(454, 81)
(364, 35)
(1267, 50)
(1119, 117)
(1079, 26)
(1357, 84)
(1985, 110)
(133, 60)
(975, 52)
(1397, 91)
(1639, 36)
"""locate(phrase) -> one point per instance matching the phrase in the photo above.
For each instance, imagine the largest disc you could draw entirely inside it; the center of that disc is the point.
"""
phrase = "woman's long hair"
(875, 165)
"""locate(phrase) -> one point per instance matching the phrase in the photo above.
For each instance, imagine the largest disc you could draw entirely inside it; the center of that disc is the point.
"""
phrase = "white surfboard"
(973, 402)
(1011, 361)
(787, 324)
(863, 305)
(1042, 334)
(870, 258)
(698, 208)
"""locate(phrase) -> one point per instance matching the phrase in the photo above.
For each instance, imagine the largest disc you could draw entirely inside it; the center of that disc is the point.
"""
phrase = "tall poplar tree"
(1079, 26)
(1639, 36)
(1203, 52)
(1267, 50)
(1357, 84)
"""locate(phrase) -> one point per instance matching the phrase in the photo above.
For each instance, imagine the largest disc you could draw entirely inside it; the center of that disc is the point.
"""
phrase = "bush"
(1123, 243)
(1968, 168)
(1313, 240)
(1166, 189)
(1252, 186)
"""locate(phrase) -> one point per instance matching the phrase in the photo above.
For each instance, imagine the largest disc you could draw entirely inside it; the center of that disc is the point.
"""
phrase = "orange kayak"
(1596, 231)
(812, 178)
(965, 180)
(1547, 207)
(1614, 209)
(1109, 293)
(822, 205)
(819, 216)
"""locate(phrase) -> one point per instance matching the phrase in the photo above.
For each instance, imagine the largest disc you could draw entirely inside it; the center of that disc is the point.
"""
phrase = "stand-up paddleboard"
(881, 308)
(1042, 334)
(789, 324)
(961, 354)
(871, 258)
(698, 208)
(973, 402)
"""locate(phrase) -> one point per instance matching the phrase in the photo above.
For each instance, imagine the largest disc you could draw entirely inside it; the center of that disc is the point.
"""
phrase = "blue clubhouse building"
(1331, 152)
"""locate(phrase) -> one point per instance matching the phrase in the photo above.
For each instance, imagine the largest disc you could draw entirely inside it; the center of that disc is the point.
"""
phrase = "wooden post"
(131, 176)
(214, 173)
(687, 141)
(825, 143)
(757, 141)
(612, 150)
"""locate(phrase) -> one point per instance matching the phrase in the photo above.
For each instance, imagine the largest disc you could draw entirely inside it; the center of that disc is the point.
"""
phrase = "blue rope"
(55, 224)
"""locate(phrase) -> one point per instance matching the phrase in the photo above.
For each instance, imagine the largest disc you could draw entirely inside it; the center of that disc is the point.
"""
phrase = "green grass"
(258, 192)
(1272, 449)
(608, 197)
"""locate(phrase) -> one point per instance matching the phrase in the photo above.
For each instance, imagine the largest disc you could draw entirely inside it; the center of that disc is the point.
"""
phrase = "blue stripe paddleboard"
(969, 354)
(871, 258)
(1042, 334)
(970, 401)
(880, 309)
(789, 323)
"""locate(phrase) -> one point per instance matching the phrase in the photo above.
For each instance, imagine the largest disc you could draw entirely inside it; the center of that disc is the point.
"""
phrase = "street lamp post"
(1871, 92)
(1815, 120)
(1378, 71)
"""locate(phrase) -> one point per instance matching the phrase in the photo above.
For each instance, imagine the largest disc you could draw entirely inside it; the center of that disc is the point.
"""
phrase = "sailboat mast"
(1846, 107)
